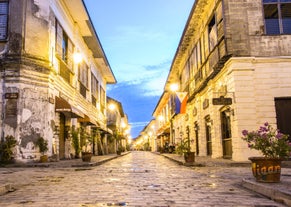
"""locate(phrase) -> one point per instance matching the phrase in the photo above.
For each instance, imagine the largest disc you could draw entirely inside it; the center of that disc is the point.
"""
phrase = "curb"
(194, 164)
(59, 165)
(92, 164)
(205, 163)
(277, 195)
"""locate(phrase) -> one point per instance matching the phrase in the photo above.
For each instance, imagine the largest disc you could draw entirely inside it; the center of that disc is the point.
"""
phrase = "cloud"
(138, 124)
(149, 80)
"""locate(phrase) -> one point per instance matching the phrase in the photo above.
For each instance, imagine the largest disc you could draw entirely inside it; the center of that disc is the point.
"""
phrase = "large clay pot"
(266, 170)
(43, 158)
(189, 157)
(86, 156)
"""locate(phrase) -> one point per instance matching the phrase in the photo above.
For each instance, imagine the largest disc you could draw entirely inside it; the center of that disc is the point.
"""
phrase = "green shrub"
(76, 142)
(42, 145)
(6, 147)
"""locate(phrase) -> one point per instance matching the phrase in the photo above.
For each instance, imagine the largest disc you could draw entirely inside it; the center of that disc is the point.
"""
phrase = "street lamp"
(77, 57)
(111, 106)
(174, 87)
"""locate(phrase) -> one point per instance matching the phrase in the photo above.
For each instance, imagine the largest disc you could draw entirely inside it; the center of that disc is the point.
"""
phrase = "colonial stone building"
(234, 63)
(117, 122)
(54, 74)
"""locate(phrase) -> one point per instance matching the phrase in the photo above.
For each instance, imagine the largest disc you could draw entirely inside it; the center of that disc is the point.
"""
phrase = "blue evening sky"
(139, 38)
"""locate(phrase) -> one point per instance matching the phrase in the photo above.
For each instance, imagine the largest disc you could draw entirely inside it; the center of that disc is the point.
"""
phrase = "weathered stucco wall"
(245, 31)
(36, 34)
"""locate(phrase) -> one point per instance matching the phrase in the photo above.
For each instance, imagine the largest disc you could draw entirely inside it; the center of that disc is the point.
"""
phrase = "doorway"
(62, 136)
(196, 130)
(208, 136)
(283, 115)
(226, 134)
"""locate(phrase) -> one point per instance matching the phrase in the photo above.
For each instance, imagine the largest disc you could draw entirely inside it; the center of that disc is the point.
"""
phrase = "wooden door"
(62, 136)
(226, 135)
(283, 115)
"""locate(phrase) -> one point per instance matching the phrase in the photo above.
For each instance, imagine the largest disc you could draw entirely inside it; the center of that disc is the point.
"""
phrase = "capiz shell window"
(3, 19)
(277, 16)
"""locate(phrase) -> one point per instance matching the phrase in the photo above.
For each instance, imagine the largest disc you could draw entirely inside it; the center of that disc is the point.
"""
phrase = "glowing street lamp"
(123, 125)
(174, 87)
(77, 57)
(161, 118)
(111, 106)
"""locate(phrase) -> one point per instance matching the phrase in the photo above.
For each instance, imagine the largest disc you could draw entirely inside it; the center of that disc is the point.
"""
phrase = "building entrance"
(208, 135)
(62, 136)
(283, 114)
(226, 134)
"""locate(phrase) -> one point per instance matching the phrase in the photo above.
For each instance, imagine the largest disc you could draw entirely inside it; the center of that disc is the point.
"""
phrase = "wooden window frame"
(5, 16)
(280, 19)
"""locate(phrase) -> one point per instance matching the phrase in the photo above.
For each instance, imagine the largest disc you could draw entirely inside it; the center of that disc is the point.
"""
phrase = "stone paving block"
(139, 179)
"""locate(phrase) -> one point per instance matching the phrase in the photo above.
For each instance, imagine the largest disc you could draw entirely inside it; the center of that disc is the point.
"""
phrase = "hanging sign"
(221, 101)
(11, 95)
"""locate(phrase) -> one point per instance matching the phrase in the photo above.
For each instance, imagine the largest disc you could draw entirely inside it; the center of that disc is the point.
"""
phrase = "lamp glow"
(111, 106)
(77, 57)
(174, 87)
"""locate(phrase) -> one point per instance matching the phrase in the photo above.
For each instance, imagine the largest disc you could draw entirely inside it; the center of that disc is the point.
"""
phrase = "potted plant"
(43, 148)
(76, 142)
(184, 148)
(119, 149)
(86, 142)
(6, 149)
(274, 146)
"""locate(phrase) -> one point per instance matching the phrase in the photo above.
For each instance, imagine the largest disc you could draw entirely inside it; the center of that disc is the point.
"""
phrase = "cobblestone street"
(136, 179)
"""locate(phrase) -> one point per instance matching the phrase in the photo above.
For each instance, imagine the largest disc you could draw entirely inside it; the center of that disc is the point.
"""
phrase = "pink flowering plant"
(271, 142)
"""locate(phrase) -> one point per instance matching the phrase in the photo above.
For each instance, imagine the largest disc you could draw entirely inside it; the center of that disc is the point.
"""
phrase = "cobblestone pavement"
(136, 179)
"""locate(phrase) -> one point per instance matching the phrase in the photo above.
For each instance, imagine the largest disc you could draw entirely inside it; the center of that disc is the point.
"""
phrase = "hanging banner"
(181, 102)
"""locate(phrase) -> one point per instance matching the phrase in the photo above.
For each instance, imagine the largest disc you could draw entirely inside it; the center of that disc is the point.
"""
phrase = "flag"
(181, 102)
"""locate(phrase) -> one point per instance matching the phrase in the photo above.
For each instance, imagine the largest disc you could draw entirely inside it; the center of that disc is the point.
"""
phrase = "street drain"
(117, 204)
(25, 202)
(51, 179)
(83, 169)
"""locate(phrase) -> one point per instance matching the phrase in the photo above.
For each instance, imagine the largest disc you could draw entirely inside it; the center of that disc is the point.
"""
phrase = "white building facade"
(46, 91)
(234, 62)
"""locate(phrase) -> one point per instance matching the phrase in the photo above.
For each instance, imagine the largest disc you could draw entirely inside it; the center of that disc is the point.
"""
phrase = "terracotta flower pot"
(43, 158)
(86, 156)
(189, 157)
(266, 170)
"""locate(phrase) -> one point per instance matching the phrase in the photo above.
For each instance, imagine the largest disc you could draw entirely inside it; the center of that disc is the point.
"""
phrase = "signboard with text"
(221, 101)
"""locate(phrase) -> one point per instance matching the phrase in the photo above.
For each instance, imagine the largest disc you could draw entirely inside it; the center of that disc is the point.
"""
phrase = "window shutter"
(59, 39)
(3, 20)
(70, 54)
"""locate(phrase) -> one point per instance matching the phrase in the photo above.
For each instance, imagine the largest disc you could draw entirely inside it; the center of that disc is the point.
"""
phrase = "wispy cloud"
(138, 124)
(150, 79)
(143, 64)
